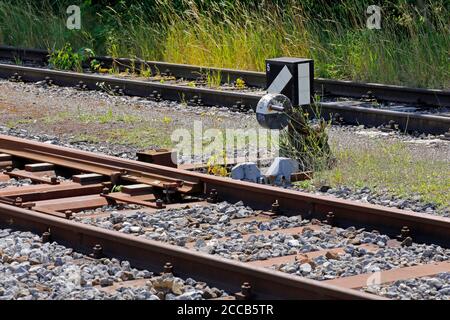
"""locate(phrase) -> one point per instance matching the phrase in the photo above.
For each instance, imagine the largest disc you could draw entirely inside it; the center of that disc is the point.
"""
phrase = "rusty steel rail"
(49, 206)
(424, 228)
(143, 253)
(381, 92)
(328, 110)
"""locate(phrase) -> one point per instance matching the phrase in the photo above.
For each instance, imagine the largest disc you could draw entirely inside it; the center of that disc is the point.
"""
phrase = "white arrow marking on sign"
(304, 90)
(280, 81)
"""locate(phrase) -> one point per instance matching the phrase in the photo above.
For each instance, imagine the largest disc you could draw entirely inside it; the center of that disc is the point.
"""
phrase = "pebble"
(305, 268)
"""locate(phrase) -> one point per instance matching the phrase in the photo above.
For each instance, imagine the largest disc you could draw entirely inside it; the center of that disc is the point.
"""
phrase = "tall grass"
(412, 48)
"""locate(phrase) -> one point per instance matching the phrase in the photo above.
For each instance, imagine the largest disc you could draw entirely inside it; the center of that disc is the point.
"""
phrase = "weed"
(145, 71)
(95, 65)
(214, 78)
(217, 168)
(117, 188)
(305, 184)
(306, 142)
(66, 59)
(388, 168)
(14, 123)
(167, 120)
(18, 61)
(240, 84)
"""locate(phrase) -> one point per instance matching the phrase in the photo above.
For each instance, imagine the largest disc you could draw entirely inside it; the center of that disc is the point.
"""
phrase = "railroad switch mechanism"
(272, 111)
(290, 82)
(292, 77)
(288, 103)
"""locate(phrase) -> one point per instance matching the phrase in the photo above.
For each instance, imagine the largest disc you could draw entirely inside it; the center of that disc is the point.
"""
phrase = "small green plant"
(95, 65)
(305, 184)
(17, 61)
(240, 84)
(117, 188)
(191, 84)
(107, 117)
(166, 120)
(305, 142)
(214, 79)
(114, 69)
(14, 123)
(133, 66)
(67, 59)
(215, 168)
(145, 71)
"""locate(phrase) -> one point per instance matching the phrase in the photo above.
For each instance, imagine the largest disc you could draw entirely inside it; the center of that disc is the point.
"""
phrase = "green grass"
(388, 168)
(108, 116)
(17, 122)
(141, 137)
(409, 49)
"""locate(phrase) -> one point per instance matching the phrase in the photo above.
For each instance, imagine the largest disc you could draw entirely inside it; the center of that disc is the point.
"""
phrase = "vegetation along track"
(349, 112)
(73, 191)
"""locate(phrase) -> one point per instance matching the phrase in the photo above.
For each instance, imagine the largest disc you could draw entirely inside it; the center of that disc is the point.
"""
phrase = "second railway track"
(346, 112)
(202, 235)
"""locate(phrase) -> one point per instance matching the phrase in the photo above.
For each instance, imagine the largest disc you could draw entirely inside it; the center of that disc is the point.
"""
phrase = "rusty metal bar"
(142, 253)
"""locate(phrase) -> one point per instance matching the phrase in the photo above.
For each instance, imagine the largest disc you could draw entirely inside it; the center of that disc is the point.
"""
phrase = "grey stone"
(435, 283)
(293, 243)
(247, 171)
(305, 268)
(282, 167)
(135, 229)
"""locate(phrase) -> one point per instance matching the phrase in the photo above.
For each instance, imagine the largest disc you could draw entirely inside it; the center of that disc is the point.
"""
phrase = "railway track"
(274, 243)
(345, 112)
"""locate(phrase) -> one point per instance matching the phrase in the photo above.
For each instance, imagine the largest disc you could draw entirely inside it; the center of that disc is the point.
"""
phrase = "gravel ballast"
(207, 227)
(426, 288)
(15, 183)
(32, 270)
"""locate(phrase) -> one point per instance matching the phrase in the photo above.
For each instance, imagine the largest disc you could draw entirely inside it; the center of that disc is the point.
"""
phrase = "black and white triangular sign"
(280, 81)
